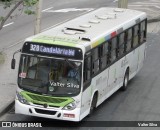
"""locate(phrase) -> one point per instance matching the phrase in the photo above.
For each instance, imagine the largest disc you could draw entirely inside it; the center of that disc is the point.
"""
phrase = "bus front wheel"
(93, 104)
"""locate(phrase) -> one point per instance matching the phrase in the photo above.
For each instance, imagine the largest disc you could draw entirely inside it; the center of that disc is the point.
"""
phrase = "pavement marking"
(115, 1)
(68, 10)
(155, 6)
(47, 9)
(145, 2)
(151, 7)
(8, 24)
(146, 9)
(155, 0)
(63, 22)
(22, 41)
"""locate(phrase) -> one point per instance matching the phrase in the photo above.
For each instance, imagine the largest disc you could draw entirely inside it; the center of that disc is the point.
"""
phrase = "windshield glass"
(49, 76)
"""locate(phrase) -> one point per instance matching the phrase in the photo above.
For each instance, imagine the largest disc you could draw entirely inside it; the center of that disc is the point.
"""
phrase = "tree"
(26, 6)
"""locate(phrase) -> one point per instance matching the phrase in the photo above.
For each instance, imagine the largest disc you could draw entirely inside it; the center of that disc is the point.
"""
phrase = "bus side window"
(113, 52)
(87, 72)
(87, 69)
(95, 59)
(121, 44)
(128, 40)
(142, 31)
(136, 35)
(104, 52)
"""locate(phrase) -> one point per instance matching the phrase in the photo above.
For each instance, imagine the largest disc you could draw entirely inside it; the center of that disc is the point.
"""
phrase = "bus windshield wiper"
(70, 64)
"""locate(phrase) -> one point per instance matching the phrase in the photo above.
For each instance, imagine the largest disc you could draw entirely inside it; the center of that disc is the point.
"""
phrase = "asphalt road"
(140, 102)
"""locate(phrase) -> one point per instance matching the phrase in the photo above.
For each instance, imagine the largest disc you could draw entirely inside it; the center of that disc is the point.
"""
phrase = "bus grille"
(46, 99)
(40, 104)
(45, 112)
(56, 102)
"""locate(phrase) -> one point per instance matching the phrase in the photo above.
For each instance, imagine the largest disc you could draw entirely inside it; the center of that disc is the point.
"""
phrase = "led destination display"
(52, 50)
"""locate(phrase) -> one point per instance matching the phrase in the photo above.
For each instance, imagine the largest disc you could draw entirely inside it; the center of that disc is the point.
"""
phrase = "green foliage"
(30, 3)
(28, 6)
(7, 4)
(29, 12)
(1, 18)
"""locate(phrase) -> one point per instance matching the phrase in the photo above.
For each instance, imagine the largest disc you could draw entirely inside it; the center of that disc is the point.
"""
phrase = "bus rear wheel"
(125, 80)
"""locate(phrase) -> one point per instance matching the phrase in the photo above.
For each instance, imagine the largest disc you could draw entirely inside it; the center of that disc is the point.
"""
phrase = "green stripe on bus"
(49, 100)
(56, 40)
(100, 41)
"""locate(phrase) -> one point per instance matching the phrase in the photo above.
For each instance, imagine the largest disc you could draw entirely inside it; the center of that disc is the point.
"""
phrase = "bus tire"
(93, 104)
(125, 80)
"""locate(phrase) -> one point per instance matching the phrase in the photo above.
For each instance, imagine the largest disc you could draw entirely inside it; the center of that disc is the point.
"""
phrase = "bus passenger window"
(121, 38)
(121, 49)
(128, 45)
(136, 36)
(105, 48)
(113, 53)
(95, 59)
(121, 44)
(129, 40)
(114, 43)
(142, 31)
(103, 59)
(95, 54)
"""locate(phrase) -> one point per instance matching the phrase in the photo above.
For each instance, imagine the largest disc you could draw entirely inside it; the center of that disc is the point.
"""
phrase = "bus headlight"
(21, 98)
(70, 106)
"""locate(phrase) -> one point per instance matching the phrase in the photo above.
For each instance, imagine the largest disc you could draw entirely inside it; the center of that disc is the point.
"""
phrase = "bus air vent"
(119, 10)
(112, 15)
(85, 26)
(94, 21)
(73, 31)
(85, 39)
(103, 17)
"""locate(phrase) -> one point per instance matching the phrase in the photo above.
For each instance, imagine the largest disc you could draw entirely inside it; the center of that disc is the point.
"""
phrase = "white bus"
(69, 70)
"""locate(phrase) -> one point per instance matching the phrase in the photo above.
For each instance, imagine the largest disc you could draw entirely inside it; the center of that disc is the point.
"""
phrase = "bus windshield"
(49, 76)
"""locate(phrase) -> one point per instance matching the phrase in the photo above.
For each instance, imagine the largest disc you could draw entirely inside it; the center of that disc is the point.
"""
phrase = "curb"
(7, 108)
(153, 20)
(2, 58)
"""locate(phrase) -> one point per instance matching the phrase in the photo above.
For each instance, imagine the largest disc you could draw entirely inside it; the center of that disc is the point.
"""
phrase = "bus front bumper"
(70, 115)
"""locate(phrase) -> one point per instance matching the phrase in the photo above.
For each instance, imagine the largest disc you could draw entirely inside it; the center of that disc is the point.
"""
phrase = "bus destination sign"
(52, 50)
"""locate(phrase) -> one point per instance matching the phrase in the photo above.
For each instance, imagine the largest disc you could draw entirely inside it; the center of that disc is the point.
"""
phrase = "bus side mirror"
(13, 64)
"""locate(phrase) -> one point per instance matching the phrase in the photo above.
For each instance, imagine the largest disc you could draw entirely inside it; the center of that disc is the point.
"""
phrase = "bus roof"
(91, 29)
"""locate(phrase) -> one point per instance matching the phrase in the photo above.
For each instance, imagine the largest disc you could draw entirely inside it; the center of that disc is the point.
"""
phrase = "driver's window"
(32, 67)
(87, 72)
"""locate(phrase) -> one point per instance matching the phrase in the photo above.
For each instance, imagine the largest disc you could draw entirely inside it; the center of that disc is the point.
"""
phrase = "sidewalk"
(8, 77)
